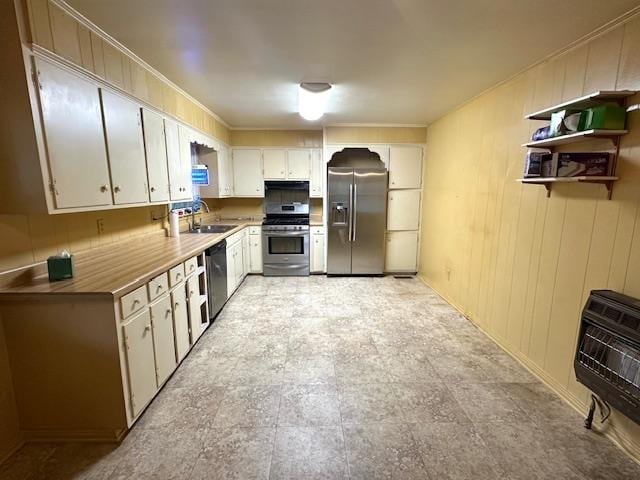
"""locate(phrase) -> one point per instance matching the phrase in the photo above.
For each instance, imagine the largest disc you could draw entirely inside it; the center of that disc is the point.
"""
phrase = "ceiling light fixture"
(312, 99)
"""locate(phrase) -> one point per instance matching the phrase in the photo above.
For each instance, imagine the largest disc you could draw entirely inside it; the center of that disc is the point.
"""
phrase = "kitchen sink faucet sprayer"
(193, 212)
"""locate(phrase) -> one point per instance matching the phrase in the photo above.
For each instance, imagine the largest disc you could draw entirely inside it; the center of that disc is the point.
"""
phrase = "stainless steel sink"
(212, 229)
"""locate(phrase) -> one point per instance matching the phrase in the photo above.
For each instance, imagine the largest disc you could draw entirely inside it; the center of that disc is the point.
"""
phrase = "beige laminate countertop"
(120, 268)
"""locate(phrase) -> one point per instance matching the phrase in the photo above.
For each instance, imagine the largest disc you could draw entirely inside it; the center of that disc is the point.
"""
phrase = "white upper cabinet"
(156, 149)
(299, 164)
(383, 152)
(316, 182)
(275, 164)
(403, 210)
(248, 180)
(74, 136)
(405, 167)
(125, 148)
(178, 142)
(220, 173)
(225, 172)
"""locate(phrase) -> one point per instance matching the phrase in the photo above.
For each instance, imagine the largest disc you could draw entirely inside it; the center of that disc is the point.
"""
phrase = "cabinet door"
(316, 181)
(163, 338)
(140, 360)
(255, 253)
(72, 124)
(184, 135)
(172, 139)
(247, 173)
(195, 316)
(225, 173)
(239, 260)
(231, 270)
(403, 210)
(317, 253)
(246, 260)
(156, 150)
(402, 252)
(125, 149)
(275, 164)
(405, 167)
(180, 322)
(299, 164)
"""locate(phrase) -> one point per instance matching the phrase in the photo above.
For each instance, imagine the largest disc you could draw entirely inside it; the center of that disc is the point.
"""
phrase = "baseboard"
(109, 436)
(628, 445)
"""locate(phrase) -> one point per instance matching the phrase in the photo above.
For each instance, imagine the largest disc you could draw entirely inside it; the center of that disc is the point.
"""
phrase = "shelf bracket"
(548, 187)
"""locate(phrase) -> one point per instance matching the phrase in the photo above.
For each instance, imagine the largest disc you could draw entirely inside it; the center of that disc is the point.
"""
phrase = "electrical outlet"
(100, 223)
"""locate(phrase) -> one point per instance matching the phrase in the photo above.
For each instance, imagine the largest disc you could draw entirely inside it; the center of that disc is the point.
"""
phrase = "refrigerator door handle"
(350, 212)
(354, 211)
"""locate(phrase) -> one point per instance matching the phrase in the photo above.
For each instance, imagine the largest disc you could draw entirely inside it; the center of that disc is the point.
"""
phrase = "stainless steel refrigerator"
(357, 212)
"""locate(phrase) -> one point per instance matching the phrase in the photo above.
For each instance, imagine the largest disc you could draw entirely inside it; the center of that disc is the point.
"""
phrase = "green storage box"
(605, 117)
(60, 267)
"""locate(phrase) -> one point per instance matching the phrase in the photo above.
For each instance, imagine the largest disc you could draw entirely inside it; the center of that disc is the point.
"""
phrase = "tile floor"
(336, 378)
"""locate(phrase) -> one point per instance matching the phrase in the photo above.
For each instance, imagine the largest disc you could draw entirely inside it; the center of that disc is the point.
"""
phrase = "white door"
(275, 164)
(195, 315)
(317, 253)
(125, 149)
(402, 252)
(225, 173)
(138, 340)
(232, 278)
(255, 253)
(156, 149)
(299, 164)
(172, 138)
(72, 123)
(405, 167)
(248, 180)
(185, 162)
(316, 181)
(180, 321)
(403, 210)
(246, 260)
(163, 338)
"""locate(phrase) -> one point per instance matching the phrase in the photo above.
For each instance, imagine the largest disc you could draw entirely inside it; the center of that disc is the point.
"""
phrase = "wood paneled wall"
(10, 436)
(341, 135)
(518, 264)
(54, 29)
(276, 138)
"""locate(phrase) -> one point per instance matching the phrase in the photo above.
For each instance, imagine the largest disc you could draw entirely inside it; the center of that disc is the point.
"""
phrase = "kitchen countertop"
(120, 268)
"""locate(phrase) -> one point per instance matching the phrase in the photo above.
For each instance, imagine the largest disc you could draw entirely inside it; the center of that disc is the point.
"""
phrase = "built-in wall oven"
(285, 230)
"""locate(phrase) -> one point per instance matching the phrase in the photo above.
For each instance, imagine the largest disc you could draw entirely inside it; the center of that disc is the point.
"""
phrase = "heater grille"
(607, 358)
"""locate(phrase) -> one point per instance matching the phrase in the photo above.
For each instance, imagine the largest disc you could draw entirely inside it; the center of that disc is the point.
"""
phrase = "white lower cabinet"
(403, 210)
(316, 181)
(246, 259)
(195, 314)
(316, 252)
(255, 251)
(237, 266)
(402, 252)
(163, 338)
(138, 339)
(180, 321)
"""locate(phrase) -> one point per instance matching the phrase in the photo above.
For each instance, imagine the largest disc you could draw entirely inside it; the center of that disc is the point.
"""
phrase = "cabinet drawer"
(134, 301)
(255, 230)
(191, 266)
(158, 286)
(316, 230)
(176, 275)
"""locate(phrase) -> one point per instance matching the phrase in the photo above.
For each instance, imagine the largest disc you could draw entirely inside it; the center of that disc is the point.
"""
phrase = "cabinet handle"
(153, 189)
(116, 189)
(168, 311)
(191, 292)
(158, 288)
(135, 301)
(147, 328)
(176, 305)
(104, 188)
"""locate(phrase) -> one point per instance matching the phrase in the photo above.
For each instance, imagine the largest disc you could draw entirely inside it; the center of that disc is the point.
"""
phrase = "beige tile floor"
(335, 378)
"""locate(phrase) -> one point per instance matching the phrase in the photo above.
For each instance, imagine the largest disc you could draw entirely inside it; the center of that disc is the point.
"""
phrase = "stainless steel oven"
(285, 250)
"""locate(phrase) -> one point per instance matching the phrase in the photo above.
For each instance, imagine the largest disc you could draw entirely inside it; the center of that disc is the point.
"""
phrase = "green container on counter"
(60, 267)
(605, 117)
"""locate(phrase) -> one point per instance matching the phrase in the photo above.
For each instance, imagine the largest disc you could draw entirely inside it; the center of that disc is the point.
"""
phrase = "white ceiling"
(391, 61)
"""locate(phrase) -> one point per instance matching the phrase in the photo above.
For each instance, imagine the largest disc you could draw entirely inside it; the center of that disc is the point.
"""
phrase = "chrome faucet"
(193, 212)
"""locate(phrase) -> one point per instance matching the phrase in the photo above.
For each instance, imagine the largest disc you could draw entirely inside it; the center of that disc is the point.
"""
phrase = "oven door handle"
(285, 234)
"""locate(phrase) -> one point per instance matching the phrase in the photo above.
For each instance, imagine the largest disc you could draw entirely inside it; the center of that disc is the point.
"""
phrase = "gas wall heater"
(608, 352)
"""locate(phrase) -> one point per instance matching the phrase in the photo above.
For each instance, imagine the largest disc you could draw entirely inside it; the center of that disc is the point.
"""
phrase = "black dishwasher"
(216, 277)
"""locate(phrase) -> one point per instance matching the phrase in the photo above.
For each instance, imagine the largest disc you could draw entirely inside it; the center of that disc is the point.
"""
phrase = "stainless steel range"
(285, 230)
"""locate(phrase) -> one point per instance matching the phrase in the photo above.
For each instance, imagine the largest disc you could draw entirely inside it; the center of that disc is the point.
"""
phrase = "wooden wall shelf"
(582, 103)
(549, 181)
(576, 137)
